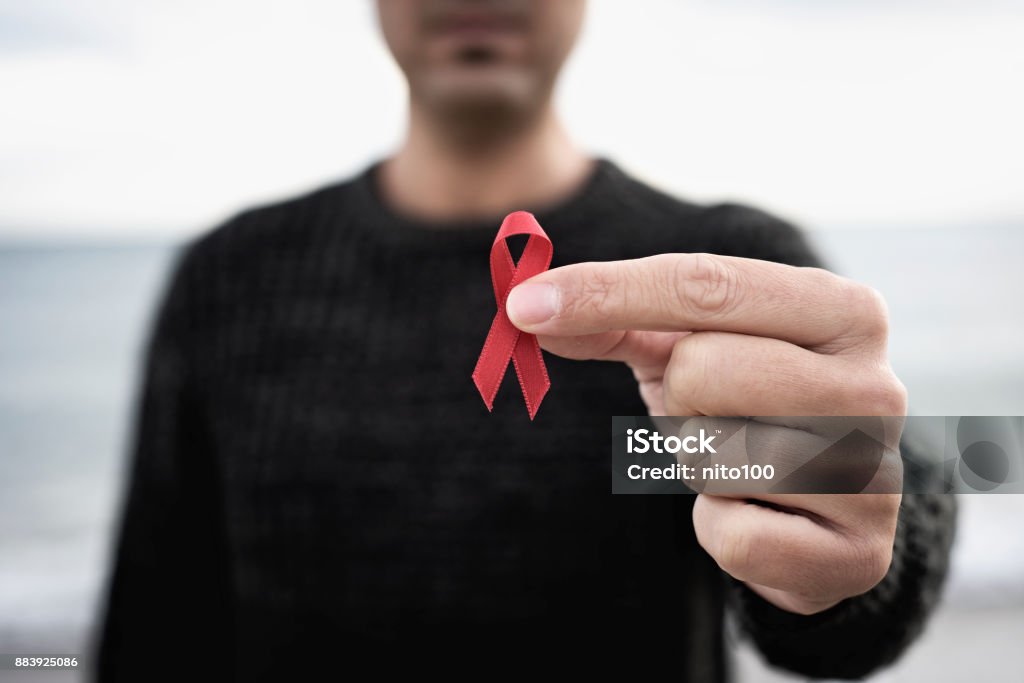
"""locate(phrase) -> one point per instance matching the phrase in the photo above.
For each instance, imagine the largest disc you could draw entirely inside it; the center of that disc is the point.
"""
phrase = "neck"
(440, 173)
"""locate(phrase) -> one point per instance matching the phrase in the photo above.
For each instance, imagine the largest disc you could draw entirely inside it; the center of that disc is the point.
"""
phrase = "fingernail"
(532, 303)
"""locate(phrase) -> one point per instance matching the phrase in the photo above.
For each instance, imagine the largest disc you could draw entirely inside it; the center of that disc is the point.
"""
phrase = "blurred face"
(465, 55)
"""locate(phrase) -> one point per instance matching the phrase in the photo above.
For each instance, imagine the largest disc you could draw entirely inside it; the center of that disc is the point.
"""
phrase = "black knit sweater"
(315, 481)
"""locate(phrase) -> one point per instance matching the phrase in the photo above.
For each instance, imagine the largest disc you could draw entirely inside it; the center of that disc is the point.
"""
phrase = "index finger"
(806, 306)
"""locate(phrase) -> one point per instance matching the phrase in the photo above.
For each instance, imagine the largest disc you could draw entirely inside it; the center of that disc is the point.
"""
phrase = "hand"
(725, 336)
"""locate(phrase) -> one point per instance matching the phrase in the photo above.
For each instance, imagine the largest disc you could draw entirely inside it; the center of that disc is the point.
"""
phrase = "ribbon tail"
(502, 339)
(532, 373)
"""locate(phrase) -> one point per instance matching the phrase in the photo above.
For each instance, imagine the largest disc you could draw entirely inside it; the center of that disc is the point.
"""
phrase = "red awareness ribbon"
(504, 340)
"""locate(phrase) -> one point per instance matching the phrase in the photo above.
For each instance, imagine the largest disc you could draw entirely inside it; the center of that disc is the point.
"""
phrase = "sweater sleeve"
(868, 631)
(165, 608)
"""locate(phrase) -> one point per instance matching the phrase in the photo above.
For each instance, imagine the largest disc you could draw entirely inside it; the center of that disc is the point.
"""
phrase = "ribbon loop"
(504, 340)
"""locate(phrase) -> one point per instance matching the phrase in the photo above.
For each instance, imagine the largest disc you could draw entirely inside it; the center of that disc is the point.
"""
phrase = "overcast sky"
(137, 118)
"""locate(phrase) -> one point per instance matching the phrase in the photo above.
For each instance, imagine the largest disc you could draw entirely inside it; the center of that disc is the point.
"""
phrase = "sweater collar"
(386, 225)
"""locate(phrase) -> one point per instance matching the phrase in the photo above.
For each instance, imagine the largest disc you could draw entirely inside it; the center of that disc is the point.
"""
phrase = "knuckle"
(734, 551)
(690, 368)
(871, 313)
(897, 397)
(705, 284)
(871, 563)
(881, 393)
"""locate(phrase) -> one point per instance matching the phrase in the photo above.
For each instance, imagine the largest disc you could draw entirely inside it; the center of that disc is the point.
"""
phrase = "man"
(317, 483)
